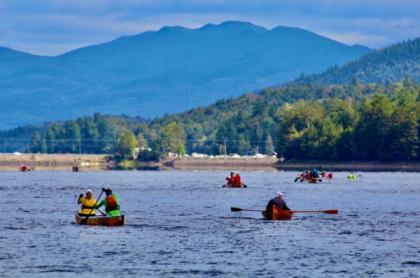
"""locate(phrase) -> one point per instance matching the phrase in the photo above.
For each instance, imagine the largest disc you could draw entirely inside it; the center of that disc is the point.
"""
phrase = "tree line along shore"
(343, 123)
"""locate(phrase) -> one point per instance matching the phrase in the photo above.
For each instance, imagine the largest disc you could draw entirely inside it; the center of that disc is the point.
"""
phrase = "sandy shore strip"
(13, 162)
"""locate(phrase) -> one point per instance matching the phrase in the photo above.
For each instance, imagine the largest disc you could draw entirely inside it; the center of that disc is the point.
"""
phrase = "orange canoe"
(100, 220)
(279, 214)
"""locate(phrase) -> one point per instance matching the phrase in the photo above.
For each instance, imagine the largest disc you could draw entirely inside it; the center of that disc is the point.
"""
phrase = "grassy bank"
(136, 165)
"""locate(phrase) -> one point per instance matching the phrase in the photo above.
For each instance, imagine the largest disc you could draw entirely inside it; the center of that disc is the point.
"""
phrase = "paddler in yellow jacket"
(88, 203)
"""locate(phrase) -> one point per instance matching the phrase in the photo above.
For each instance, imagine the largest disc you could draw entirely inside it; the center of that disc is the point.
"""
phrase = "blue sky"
(51, 27)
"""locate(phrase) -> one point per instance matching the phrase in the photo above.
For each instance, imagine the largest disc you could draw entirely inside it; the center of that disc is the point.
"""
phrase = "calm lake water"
(180, 224)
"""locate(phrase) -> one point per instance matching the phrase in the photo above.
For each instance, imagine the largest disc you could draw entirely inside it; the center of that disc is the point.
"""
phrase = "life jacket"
(237, 180)
(87, 206)
(112, 203)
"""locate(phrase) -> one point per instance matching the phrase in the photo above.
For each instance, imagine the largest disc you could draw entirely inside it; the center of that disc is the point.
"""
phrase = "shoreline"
(100, 162)
(46, 162)
(362, 166)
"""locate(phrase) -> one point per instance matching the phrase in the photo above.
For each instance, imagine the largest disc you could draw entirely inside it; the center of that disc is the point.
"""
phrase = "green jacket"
(104, 202)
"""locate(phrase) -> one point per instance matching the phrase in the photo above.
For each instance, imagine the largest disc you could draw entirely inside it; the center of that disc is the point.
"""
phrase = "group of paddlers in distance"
(234, 180)
(276, 209)
(313, 176)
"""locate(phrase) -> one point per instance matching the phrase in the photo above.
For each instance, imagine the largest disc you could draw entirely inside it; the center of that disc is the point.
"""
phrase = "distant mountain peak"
(289, 29)
(235, 26)
(168, 29)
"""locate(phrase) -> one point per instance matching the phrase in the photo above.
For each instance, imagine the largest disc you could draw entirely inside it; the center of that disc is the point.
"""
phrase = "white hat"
(279, 193)
(88, 191)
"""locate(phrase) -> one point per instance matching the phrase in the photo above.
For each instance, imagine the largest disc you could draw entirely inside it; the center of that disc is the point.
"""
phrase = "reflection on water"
(180, 224)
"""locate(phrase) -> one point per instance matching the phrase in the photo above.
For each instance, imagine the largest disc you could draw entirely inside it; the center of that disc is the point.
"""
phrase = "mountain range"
(390, 64)
(160, 72)
(253, 112)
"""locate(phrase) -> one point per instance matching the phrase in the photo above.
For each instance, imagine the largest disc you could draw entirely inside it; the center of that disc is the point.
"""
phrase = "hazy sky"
(55, 26)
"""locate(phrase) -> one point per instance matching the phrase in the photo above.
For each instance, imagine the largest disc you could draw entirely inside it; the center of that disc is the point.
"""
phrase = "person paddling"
(231, 179)
(238, 181)
(276, 201)
(111, 203)
(351, 177)
(88, 203)
(234, 180)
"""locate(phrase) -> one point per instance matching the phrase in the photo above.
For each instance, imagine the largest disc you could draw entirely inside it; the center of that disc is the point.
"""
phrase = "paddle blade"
(328, 211)
(235, 209)
(331, 211)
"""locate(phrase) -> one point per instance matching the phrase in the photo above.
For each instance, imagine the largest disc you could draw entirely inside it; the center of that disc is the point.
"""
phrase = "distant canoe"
(25, 169)
(100, 220)
(313, 180)
(234, 186)
(279, 214)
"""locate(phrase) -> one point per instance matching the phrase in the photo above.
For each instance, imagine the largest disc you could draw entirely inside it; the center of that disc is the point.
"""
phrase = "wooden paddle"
(329, 211)
(84, 221)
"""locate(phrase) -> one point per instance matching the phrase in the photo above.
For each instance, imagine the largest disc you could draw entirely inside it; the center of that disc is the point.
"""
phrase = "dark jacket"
(277, 202)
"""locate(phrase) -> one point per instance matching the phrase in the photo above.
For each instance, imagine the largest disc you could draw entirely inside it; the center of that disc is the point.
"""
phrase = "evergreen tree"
(72, 137)
(269, 146)
(50, 140)
(36, 143)
(373, 133)
(173, 138)
(142, 142)
(127, 144)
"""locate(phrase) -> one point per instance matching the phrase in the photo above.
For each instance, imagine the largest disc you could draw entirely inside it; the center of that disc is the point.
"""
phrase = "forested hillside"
(338, 122)
(300, 120)
(391, 64)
